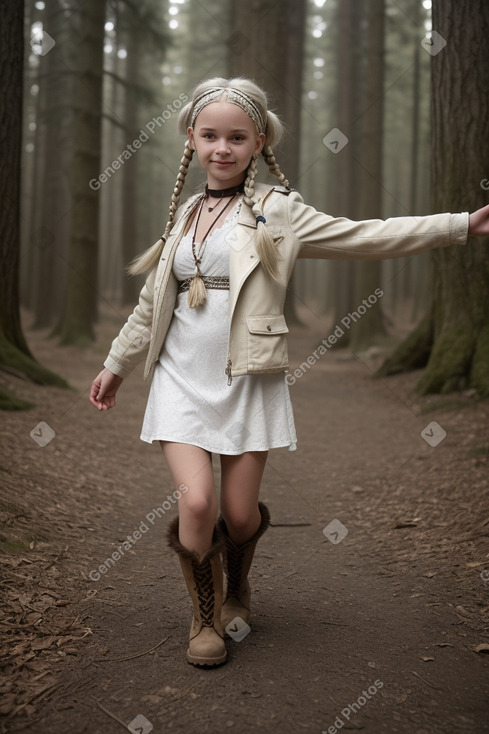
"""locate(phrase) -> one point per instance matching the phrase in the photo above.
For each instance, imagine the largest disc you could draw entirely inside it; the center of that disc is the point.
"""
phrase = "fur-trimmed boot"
(236, 562)
(203, 577)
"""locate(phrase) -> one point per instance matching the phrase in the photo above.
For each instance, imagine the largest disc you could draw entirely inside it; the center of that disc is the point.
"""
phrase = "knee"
(199, 507)
(241, 524)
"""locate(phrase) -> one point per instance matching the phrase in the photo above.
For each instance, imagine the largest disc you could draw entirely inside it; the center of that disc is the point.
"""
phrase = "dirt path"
(375, 632)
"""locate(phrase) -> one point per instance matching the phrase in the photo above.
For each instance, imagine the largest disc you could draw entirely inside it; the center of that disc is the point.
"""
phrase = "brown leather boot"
(236, 562)
(203, 577)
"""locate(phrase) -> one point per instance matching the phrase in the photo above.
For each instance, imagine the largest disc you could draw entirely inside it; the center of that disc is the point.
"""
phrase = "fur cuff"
(264, 524)
(174, 543)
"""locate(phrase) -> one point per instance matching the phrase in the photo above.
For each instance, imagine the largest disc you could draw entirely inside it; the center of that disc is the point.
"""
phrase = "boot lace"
(234, 567)
(205, 591)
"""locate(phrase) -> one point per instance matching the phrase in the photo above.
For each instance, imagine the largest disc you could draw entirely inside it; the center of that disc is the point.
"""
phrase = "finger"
(94, 401)
(94, 389)
(100, 394)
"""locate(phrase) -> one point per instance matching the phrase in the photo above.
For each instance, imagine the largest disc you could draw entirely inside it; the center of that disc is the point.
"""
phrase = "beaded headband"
(235, 96)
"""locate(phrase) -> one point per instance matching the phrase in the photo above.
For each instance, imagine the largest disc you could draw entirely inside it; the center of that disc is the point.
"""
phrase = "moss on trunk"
(449, 363)
(479, 374)
(13, 359)
(9, 401)
(411, 354)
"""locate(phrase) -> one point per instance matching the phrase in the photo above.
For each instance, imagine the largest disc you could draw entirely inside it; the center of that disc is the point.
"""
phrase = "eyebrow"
(213, 129)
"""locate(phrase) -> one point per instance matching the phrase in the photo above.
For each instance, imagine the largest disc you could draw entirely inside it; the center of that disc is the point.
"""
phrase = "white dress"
(190, 400)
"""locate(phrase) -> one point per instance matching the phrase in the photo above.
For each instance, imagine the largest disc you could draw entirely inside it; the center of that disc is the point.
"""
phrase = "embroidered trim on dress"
(219, 282)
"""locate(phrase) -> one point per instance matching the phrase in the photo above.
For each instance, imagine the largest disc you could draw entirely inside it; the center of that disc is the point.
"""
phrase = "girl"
(210, 324)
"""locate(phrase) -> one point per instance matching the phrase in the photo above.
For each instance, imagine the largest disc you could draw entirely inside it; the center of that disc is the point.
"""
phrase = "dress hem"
(292, 446)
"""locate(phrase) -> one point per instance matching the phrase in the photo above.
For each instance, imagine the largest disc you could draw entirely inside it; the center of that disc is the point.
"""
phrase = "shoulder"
(266, 190)
(276, 202)
(279, 195)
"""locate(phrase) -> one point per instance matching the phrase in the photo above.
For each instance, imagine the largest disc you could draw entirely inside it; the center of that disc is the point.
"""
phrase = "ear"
(190, 133)
(260, 142)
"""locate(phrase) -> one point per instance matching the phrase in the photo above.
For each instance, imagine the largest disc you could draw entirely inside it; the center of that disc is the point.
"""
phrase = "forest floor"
(383, 630)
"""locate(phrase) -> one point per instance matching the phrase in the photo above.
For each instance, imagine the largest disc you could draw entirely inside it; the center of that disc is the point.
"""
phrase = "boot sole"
(206, 662)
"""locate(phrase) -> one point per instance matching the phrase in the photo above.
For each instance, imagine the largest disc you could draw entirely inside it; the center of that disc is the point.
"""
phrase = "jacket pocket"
(267, 343)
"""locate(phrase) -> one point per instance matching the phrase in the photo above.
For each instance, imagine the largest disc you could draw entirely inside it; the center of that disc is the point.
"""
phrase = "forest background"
(386, 106)
(376, 96)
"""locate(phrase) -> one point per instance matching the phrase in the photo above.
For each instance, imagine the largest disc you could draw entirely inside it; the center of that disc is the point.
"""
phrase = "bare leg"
(192, 467)
(240, 487)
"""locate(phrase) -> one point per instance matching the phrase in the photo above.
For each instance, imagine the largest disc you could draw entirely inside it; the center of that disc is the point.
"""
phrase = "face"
(225, 139)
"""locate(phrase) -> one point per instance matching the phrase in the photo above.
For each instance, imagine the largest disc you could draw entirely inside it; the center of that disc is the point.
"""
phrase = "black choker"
(220, 193)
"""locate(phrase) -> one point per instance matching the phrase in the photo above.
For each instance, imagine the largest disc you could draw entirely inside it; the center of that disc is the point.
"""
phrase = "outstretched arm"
(339, 238)
(479, 222)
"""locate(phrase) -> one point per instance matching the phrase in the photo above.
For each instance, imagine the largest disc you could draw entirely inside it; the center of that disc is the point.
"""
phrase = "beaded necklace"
(197, 294)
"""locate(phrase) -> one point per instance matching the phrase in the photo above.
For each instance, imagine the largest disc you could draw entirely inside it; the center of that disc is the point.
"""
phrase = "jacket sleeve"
(131, 345)
(323, 236)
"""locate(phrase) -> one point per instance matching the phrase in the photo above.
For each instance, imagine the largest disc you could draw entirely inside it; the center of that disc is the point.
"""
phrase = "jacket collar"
(247, 215)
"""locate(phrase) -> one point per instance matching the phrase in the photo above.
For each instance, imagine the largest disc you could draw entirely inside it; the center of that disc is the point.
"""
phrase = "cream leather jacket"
(257, 333)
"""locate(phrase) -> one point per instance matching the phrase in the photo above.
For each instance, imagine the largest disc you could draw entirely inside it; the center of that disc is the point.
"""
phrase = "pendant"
(211, 208)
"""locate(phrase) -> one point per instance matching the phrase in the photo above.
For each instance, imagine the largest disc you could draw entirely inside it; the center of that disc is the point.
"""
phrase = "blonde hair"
(253, 100)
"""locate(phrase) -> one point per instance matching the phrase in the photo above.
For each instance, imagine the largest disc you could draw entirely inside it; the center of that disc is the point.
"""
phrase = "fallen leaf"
(70, 650)
(43, 643)
(404, 524)
(483, 647)
(8, 703)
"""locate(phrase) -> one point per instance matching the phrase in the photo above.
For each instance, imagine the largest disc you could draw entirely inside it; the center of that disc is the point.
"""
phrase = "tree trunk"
(81, 305)
(268, 47)
(296, 17)
(415, 124)
(342, 163)
(368, 275)
(459, 354)
(50, 225)
(131, 286)
(14, 352)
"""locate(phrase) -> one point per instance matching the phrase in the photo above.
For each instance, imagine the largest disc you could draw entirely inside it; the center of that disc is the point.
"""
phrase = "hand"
(479, 222)
(104, 388)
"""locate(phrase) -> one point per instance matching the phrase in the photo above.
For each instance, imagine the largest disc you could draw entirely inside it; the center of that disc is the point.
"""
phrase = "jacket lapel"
(243, 257)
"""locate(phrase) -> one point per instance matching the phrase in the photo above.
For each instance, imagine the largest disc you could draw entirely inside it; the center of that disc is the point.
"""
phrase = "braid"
(265, 244)
(177, 191)
(273, 166)
(149, 259)
(249, 184)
